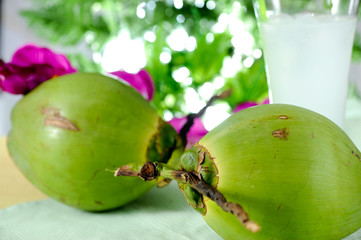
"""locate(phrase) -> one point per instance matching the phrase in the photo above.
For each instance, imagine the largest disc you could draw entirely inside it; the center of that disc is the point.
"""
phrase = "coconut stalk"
(192, 179)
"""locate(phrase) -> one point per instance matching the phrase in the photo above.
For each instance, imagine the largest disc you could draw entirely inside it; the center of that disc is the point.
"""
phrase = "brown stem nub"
(148, 172)
(126, 170)
(152, 170)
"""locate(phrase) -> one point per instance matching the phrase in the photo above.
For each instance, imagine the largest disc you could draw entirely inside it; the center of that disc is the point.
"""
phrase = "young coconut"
(68, 131)
(295, 172)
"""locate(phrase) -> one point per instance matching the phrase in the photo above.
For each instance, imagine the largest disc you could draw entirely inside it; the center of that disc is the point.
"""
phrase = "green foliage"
(67, 22)
(250, 85)
(356, 50)
(207, 60)
(83, 63)
(96, 22)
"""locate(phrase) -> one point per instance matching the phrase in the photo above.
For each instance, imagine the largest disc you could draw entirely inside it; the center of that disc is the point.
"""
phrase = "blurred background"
(193, 49)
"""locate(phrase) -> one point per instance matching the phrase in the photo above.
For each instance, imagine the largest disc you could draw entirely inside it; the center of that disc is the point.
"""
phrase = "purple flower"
(245, 105)
(21, 80)
(29, 67)
(141, 81)
(30, 55)
(196, 132)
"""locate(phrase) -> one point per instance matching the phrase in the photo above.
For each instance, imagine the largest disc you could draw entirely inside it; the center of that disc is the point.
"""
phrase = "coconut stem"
(191, 117)
(152, 170)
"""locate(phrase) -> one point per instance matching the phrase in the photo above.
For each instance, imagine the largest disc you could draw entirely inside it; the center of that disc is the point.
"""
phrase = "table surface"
(14, 187)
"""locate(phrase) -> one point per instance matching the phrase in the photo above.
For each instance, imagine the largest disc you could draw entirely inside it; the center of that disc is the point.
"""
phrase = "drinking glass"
(307, 46)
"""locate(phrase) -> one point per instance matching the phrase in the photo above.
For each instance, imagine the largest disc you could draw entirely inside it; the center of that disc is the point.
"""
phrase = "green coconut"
(272, 172)
(296, 173)
(71, 132)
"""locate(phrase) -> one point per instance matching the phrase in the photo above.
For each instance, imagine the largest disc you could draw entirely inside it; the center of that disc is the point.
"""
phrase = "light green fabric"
(161, 214)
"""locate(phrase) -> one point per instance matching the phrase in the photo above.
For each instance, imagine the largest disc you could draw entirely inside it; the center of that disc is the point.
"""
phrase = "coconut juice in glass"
(307, 48)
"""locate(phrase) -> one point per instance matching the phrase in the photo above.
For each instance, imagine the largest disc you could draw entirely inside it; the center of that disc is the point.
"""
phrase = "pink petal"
(38, 74)
(141, 81)
(30, 66)
(62, 65)
(196, 132)
(266, 101)
(244, 105)
(31, 54)
(21, 80)
(178, 123)
(13, 84)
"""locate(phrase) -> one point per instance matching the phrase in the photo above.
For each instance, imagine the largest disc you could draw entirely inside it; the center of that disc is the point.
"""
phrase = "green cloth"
(160, 214)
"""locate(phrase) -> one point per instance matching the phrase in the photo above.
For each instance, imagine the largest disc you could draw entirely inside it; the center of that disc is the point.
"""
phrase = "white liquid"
(307, 61)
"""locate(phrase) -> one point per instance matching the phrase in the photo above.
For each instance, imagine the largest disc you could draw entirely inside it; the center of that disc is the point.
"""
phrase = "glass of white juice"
(307, 47)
